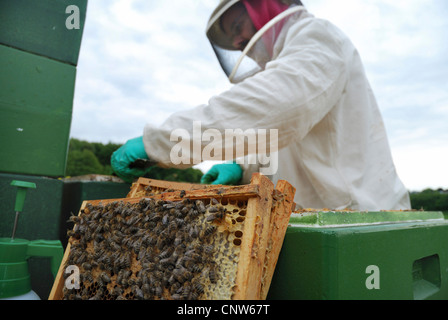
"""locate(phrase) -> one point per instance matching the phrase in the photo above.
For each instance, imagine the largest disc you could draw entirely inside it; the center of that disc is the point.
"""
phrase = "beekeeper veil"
(268, 18)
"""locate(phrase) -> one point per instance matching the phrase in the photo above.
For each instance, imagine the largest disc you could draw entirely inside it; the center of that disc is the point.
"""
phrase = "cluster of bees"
(153, 249)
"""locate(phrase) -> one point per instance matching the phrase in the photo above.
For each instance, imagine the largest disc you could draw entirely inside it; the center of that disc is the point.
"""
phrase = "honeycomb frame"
(254, 226)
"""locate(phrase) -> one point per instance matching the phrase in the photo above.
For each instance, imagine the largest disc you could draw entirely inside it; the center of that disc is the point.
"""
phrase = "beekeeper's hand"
(226, 173)
(125, 155)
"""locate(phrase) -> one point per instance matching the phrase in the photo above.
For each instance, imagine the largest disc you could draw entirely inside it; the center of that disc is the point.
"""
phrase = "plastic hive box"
(363, 256)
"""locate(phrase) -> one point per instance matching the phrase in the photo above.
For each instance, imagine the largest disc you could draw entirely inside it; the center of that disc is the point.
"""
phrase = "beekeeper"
(298, 75)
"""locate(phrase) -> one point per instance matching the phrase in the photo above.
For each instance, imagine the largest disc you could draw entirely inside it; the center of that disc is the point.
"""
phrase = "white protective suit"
(332, 141)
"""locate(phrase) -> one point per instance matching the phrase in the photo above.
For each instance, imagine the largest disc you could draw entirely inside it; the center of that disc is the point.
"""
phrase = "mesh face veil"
(239, 65)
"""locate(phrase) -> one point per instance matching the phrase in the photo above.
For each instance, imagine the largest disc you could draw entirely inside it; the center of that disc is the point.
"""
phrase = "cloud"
(404, 48)
(142, 60)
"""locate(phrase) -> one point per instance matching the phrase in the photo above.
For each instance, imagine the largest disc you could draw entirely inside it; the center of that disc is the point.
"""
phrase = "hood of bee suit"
(268, 17)
(263, 11)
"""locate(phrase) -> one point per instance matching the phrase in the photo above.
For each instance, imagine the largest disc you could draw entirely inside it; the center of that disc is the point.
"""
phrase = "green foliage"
(94, 158)
(89, 158)
(81, 162)
(430, 200)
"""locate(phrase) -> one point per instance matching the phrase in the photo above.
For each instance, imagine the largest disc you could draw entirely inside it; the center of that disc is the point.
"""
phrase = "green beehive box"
(36, 99)
(40, 219)
(40, 27)
(363, 256)
(77, 190)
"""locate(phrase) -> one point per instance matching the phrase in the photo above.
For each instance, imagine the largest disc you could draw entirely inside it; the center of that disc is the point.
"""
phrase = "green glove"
(226, 173)
(125, 155)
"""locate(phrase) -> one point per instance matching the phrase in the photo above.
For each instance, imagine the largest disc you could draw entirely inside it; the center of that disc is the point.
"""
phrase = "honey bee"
(168, 205)
(208, 249)
(181, 274)
(133, 220)
(86, 266)
(179, 238)
(193, 295)
(194, 256)
(87, 276)
(82, 258)
(199, 288)
(193, 213)
(193, 232)
(141, 254)
(212, 275)
(85, 294)
(98, 295)
(131, 282)
(74, 219)
(158, 289)
(125, 260)
(213, 209)
(71, 233)
(114, 246)
(96, 215)
(166, 262)
(97, 227)
(166, 253)
(117, 291)
(195, 268)
(138, 293)
(218, 215)
(186, 289)
(200, 205)
(165, 219)
(136, 246)
(209, 230)
(184, 210)
(105, 277)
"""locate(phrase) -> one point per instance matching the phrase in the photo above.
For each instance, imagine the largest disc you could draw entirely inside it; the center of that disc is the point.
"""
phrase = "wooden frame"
(268, 212)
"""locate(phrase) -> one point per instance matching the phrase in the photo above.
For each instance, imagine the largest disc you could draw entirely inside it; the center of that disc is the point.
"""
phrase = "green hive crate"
(40, 219)
(75, 192)
(39, 26)
(329, 256)
(36, 101)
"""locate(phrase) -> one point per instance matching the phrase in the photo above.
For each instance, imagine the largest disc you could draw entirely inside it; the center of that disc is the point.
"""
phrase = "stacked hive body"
(38, 61)
(178, 241)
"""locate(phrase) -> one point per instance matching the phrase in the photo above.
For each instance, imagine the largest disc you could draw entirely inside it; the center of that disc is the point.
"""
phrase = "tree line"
(430, 200)
(94, 158)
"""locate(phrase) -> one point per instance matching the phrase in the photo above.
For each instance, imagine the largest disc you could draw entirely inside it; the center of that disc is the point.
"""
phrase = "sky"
(141, 61)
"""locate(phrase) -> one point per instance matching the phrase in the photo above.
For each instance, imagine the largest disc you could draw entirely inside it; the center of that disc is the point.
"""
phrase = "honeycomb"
(157, 249)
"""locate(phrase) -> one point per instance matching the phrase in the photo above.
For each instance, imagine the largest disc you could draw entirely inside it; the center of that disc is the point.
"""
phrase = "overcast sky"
(142, 60)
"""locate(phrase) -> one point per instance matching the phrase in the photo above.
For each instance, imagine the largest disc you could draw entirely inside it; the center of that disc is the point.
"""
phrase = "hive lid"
(328, 218)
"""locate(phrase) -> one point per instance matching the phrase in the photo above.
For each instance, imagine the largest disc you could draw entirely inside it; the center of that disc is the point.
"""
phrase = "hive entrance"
(177, 244)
